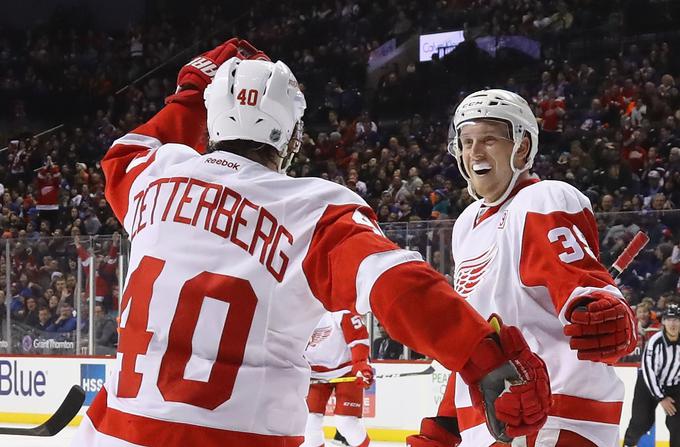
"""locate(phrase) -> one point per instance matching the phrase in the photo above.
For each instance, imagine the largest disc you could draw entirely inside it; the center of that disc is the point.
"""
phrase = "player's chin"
(483, 186)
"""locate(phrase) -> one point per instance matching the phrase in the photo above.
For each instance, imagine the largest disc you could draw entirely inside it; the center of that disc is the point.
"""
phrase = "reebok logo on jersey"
(208, 67)
(471, 272)
(226, 163)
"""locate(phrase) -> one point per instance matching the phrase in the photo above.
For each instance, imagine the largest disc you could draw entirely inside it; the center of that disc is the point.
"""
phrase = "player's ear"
(522, 154)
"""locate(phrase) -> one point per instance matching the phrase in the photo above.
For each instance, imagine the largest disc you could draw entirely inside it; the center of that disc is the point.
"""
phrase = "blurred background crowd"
(603, 80)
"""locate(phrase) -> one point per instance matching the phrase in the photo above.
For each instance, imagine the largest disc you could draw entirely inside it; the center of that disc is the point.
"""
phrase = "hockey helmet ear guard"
(294, 146)
(259, 101)
(497, 105)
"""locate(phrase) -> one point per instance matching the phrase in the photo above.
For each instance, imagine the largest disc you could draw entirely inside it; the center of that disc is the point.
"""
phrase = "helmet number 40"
(247, 97)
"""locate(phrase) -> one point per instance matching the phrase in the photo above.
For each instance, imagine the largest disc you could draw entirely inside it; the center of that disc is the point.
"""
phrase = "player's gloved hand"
(364, 373)
(602, 327)
(434, 433)
(200, 71)
(246, 50)
(509, 383)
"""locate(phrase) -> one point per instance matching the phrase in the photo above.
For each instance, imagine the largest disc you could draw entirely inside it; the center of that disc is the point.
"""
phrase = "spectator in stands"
(53, 305)
(17, 306)
(66, 322)
(653, 187)
(30, 312)
(648, 324)
(48, 181)
(105, 332)
(398, 190)
(384, 348)
(421, 204)
(44, 319)
(441, 205)
(105, 270)
(551, 110)
(666, 280)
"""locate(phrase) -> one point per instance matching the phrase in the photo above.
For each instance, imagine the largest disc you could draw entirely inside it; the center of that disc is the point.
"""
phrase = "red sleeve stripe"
(358, 342)
(373, 266)
(133, 139)
(137, 139)
(119, 180)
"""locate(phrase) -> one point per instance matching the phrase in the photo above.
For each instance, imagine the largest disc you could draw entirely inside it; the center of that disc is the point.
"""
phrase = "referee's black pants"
(642, 419)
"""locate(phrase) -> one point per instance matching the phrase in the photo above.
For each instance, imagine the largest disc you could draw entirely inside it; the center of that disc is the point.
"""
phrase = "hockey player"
(338, 347)
(232, 264)
(527, 250)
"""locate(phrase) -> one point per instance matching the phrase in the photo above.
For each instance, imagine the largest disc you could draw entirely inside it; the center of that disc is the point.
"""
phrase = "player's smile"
(481, 168)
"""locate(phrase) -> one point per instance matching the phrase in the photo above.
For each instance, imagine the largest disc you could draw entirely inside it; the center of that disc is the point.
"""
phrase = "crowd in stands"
(610, 125)
(49, 280)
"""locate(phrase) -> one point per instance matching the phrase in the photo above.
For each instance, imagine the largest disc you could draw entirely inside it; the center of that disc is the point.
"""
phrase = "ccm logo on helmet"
(207, 66)
(226, 163)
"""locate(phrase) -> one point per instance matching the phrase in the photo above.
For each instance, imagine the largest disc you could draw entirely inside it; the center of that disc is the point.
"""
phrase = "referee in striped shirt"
(658, 381)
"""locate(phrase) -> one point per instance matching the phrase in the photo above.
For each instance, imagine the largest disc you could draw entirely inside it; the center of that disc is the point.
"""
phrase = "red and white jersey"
(525, 260)
(48, 188)
(330, 348)
(231, 267)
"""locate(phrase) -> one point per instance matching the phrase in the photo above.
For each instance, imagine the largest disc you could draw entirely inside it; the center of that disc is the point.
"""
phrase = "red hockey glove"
(247, 51)
(509, 382)
(602, 327)
(434, 433)
(364, 373)
(198, 73)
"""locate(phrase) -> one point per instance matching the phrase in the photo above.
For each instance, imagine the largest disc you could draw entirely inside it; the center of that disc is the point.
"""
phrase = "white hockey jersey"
(525, 260)
(339, 339)
(231, 267)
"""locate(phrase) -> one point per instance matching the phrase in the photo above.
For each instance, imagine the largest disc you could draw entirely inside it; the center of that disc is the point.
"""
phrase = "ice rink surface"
(63, 439)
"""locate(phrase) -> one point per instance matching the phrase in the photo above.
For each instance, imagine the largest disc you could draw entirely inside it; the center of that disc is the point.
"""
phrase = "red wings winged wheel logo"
(471, 271)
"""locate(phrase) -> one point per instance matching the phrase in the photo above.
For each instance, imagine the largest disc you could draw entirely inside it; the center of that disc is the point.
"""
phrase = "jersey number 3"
(573, 242)
(240, 301)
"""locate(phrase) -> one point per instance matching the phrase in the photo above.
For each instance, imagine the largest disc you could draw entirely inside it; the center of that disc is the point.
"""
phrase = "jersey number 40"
(241, 300)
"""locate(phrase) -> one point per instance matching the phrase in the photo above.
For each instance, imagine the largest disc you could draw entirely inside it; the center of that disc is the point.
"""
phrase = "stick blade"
(65, 413)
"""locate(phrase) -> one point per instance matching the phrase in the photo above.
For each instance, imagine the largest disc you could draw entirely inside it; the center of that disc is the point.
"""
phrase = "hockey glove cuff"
(509, 383)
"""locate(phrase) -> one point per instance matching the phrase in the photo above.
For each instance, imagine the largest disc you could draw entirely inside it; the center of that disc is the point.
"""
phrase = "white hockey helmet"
(498, 105)
(259, 101)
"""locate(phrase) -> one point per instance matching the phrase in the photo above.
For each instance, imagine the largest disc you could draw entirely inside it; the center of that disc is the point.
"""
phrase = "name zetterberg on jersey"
(219, 210)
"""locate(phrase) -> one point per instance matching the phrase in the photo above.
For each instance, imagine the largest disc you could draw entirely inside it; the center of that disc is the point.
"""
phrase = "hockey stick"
(629, 253)
(428, 370)
(65, 413)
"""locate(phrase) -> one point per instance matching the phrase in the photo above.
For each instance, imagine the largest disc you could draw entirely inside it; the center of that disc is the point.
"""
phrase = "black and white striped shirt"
(661, 364)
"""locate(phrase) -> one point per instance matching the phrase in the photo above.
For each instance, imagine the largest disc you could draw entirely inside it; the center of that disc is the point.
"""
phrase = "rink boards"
(32, 387)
